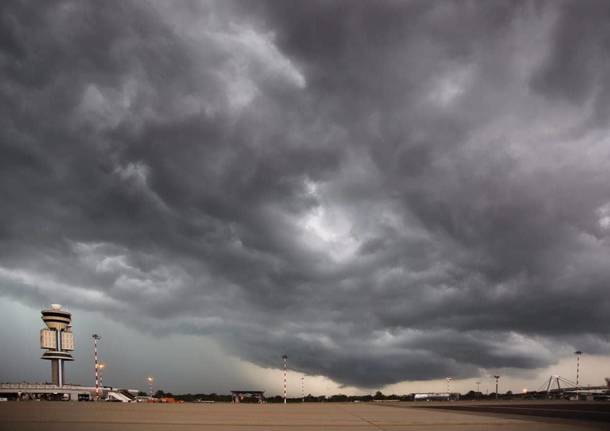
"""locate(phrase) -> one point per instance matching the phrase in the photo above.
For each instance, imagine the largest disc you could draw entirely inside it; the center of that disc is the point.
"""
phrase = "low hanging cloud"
(384, 191)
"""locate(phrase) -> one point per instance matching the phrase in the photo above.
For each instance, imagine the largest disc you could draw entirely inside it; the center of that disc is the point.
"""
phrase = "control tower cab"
(58, 341)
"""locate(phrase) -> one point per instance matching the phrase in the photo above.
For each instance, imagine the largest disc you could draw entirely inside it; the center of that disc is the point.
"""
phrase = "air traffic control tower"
(58, 340)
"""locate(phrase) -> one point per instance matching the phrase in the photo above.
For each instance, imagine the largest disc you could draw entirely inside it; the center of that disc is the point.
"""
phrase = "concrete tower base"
(58, 375)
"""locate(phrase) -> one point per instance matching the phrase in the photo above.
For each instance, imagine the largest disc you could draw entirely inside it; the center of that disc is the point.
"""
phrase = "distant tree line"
(337, 398)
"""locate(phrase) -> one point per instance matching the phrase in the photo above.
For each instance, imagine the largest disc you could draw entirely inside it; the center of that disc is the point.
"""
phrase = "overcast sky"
(388, 192)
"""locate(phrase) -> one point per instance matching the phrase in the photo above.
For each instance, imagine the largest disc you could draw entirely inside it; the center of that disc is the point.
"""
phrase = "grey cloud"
(576, 60)
(382, 190)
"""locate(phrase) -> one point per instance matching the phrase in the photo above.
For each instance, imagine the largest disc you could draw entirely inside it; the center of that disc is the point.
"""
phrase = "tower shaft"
(57, 372)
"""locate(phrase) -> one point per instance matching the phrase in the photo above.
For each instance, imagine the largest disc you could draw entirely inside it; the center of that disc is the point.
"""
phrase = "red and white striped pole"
(150, 382)
(97, 378)
(101, 367)
(577, 353)
(285, 358)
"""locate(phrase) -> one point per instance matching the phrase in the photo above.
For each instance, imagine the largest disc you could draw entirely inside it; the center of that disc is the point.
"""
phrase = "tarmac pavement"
(72, 416)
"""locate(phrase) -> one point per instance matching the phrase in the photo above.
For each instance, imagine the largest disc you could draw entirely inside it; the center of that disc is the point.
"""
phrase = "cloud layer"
(384, 191)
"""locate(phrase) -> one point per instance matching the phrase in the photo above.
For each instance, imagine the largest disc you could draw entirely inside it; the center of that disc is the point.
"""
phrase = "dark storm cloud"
(382, 190)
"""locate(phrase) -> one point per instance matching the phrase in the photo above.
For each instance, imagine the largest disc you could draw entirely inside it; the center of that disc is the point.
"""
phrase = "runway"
(68, 416)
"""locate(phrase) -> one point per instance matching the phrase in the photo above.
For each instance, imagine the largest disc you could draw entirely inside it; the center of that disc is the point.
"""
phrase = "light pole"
(285, 358)
(150, 382)
(449, 385)
(497, 378)
(303, 387)
(478, 389)
(96, 338)
(101, 367)
(577, 353)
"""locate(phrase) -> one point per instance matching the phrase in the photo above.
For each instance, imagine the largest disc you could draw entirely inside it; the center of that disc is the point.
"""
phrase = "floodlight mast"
(285, 358)
(101, 367)
(577, 353)
(96, 338)
(150, 380)
(497, 378)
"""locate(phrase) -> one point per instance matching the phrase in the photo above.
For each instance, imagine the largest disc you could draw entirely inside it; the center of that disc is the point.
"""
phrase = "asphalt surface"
(71, 416)
(573, 410)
